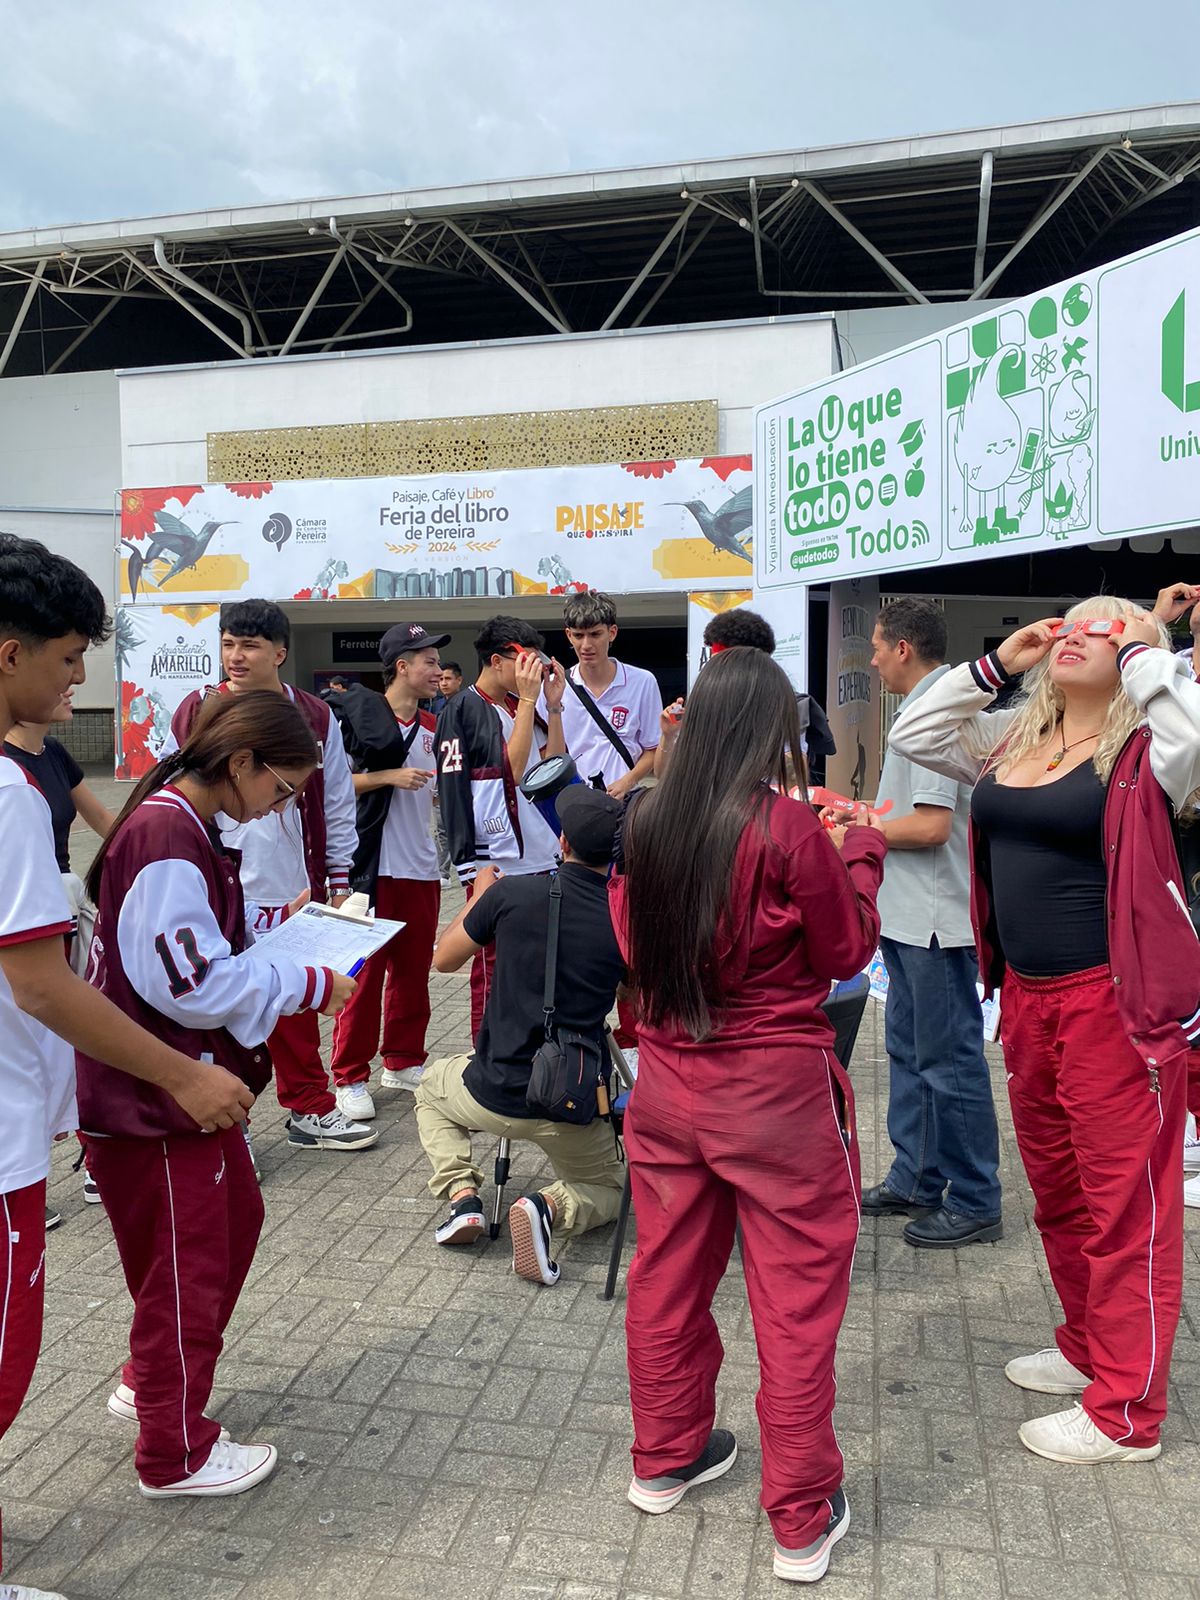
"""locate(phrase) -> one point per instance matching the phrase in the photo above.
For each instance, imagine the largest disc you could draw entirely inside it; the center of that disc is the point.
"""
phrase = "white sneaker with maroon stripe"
(122, 1402)
(230, 1469)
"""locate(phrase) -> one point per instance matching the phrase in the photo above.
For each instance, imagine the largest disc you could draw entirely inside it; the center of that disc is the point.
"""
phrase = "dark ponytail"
(259, 720)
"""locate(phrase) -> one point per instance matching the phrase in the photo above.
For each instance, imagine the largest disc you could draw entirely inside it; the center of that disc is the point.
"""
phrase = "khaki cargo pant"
(590, 1175)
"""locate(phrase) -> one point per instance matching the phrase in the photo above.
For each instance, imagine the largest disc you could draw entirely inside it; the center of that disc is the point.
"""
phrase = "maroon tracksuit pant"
(301, 1082)
(393, 985)
(1101, 1150)
(22, 1295)
(764, 1137)
(186, 1212)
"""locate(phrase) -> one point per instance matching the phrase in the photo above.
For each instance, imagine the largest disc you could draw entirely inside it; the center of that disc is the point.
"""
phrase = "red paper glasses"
(1102, 627)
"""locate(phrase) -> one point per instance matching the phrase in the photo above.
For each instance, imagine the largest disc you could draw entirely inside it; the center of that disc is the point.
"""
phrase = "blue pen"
(357, 968)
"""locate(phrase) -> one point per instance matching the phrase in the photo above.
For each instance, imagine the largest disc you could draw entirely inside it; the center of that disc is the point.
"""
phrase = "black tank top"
(1046, 850)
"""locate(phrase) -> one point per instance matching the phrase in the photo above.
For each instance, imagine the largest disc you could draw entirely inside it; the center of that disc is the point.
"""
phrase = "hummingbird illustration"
(722, 526)
(171, 538)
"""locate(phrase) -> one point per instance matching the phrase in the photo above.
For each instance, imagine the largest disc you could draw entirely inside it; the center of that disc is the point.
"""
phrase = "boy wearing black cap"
(389, 740)
(485, 1092)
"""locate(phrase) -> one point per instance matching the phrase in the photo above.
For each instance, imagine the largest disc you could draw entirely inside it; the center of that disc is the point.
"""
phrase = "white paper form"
(315, 937)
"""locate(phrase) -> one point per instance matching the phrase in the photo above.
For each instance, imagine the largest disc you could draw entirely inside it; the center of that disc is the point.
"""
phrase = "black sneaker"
(530, 1225)
(656, 1495)
(53, 1218)
(811, 1563)
(464, 1224)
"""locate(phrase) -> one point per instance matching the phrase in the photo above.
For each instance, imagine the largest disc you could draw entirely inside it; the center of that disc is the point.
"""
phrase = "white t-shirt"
(632, 705)
(37, 1068)
(407, 849)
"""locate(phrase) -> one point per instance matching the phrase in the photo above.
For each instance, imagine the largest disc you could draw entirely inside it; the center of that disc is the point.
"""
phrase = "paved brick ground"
(447, 1429)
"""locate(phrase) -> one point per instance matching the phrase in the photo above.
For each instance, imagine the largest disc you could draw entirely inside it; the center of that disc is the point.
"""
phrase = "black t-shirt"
(56, 772)
(1046, 855)
(515, 914)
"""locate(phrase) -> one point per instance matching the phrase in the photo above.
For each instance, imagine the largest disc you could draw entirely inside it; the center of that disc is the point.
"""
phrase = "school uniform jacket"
(1154, 954)
(170, 950)
(325, 810)
(484, 817)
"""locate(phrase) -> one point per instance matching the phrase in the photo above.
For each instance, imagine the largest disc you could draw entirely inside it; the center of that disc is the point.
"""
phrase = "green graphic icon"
(1073, 353)
(1043, 319)
(1183, 396)
(1077, 304)
(913, 437)
(888, 489)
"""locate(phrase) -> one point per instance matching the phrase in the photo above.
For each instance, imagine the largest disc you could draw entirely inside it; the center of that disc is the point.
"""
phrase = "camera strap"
(602, 722)
(552, 952)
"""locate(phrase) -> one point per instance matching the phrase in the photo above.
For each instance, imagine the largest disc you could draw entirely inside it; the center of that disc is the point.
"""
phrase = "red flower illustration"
(725, 466)
(250, 491)
(137, 758)
(139, 505)
(302, 594)
(649, 469)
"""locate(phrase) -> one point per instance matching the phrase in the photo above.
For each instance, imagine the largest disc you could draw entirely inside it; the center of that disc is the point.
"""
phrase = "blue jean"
(941, 1118)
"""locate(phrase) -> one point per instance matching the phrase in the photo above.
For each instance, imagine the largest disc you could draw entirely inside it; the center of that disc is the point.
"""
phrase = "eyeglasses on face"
(1101, 627)
(289, 789)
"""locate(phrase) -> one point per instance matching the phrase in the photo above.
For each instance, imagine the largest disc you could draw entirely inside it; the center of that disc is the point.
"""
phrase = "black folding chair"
(844, 1008)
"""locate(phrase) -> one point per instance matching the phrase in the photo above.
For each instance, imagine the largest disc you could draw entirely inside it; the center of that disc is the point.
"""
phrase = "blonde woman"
(1081, 921)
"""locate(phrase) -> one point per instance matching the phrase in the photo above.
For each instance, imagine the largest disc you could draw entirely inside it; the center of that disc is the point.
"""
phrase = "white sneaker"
(230, 1469)
(354, 1101)
(1047, 1372)
(22, 1591)
(333, 1131)
(122, 1402)
(1191, 1192)
(1191, 1146)
(1073, 1437)
(91, 1190)
(401, 1078)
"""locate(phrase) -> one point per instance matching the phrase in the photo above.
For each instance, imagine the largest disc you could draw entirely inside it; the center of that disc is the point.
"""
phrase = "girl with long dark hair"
(171, 950)
(1079, 907)
(735, 912)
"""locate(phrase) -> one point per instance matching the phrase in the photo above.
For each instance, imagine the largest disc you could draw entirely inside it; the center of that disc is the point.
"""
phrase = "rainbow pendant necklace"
(1056, 760)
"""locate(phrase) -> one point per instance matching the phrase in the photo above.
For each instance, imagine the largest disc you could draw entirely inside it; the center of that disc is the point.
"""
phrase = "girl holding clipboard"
(170, 948)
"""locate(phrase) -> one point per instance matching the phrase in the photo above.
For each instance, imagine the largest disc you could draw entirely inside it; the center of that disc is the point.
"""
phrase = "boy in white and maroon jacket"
(49, 613)
(390, 743)
(308, 846)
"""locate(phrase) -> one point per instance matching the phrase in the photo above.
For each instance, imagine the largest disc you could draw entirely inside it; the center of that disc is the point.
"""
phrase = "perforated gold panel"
(676, 430)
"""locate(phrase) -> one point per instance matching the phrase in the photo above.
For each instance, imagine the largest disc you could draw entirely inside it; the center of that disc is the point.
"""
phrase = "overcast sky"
(129, 108)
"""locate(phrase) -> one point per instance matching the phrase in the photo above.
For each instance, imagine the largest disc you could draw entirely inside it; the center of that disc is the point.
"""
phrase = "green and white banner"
(1066, 417)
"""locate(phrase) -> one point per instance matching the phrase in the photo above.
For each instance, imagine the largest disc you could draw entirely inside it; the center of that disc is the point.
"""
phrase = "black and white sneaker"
(465, 1223)
(531, 1226)
(333, 1131)
(53, 1218)
(656, 1495)
(91, 1190)
(811, 1563)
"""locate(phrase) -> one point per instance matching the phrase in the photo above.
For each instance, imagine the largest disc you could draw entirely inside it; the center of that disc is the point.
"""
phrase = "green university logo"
(1183, 396)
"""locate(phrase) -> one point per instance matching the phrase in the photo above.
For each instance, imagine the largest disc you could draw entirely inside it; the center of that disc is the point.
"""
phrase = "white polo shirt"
(37, 1068)
(407, 849)
(631, 705)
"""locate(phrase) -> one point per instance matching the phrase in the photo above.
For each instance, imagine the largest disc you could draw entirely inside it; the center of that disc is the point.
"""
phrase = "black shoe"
(464, 1224)
(531, 1229)
(811, 1563)
(660, 1494)
(946, 1230)
(879, 1201)
(53, 1218)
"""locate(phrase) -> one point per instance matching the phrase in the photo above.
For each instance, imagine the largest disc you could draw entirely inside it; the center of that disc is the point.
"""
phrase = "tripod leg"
(502, 1165)
(618, 1244)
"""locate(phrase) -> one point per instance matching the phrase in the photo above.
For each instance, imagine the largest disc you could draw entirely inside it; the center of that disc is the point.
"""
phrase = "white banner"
(634, 528)
(163, 653)
(1066, 417)
(853, 689)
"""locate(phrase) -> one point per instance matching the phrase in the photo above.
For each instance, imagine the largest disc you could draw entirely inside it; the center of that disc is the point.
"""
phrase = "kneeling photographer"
(487, 1092)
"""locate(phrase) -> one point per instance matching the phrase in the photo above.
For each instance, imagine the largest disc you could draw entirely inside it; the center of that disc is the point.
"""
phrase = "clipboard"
(319, 936)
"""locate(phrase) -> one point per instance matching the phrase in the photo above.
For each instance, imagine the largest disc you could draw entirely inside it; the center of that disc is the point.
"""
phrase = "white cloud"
(130, 108)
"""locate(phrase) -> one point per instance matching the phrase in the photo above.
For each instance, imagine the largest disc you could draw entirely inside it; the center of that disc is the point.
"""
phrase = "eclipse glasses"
(1100, 627)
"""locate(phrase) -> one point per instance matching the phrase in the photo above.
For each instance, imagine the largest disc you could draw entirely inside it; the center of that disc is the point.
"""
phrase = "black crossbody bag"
(568, 1081)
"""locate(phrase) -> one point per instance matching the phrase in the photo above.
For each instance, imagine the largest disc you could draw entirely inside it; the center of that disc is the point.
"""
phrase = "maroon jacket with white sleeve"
(1154, 954)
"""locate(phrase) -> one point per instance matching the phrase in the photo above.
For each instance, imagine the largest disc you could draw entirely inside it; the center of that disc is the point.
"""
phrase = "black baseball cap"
(405, 636)
(589, 819)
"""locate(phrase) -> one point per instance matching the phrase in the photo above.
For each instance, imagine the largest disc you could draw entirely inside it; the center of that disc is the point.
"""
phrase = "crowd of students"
(717, 906)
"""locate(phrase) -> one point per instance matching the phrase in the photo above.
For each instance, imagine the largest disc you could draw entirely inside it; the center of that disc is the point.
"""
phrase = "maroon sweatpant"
(393, 985)
(764, 1137)
(22, 1295)
(481, 977)
(1101, 1150)
(186, 1213)
(301, 1082)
